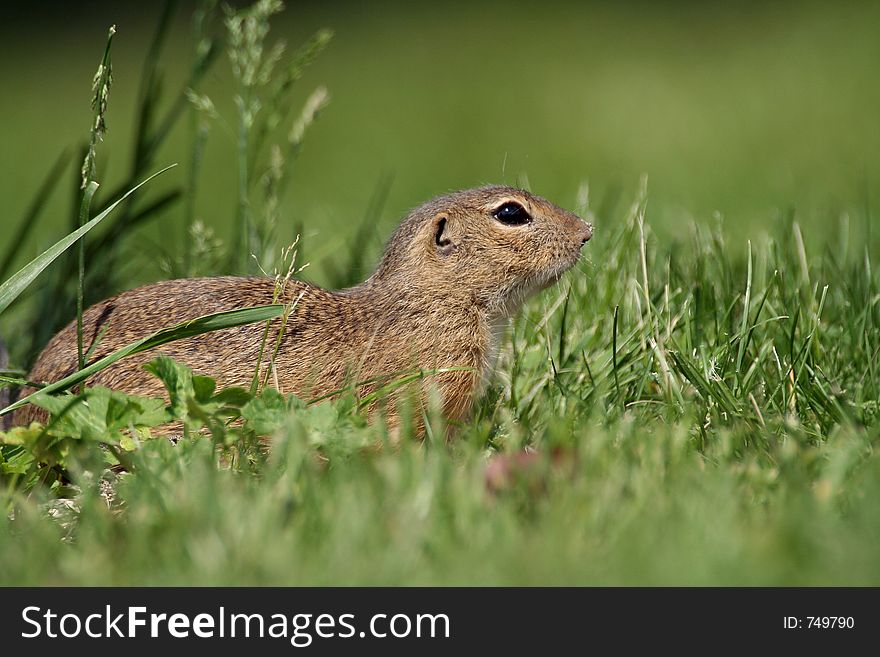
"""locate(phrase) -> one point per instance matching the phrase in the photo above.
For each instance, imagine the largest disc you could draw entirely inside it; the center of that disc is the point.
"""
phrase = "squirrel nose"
(586, 232)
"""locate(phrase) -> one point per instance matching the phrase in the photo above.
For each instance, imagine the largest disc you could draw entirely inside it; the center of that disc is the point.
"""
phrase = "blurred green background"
(748, 109)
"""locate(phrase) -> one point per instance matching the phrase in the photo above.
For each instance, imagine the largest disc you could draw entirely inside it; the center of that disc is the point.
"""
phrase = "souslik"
(451, 276)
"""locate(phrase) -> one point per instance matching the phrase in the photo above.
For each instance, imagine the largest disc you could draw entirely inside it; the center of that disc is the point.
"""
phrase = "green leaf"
(235, 397)
(193, 400)
(177, 379)
(128, 443)
(203, 388)
(16, 284)
(99, 414)
(9, 381)
(19, 461)
(18, 436)
(266, 414)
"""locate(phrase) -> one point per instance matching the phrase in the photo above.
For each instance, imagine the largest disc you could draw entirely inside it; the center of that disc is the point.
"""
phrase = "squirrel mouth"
(528, 286)
(552, 276)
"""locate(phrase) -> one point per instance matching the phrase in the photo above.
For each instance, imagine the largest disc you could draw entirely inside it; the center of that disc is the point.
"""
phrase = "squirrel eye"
(512, 214)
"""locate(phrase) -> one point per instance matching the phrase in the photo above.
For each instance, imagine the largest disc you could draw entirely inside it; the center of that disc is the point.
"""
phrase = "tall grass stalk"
(151, 129)
(100, 94)
(251, 67)
(288, 256)
(263, 104)
(203, 45)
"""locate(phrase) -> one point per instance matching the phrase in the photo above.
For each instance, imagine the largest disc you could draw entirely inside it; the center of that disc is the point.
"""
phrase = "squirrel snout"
(586, 232)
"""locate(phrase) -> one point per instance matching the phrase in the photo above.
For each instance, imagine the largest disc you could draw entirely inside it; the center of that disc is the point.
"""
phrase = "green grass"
(732, 444)
(702, 395)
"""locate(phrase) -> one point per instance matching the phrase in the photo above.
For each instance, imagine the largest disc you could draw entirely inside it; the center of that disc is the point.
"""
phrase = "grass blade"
(614, 358)
(13, 287)
(33, 212)
(88, 192)
(744, 324)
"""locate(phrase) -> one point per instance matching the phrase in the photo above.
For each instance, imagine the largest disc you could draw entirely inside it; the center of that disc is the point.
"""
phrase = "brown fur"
(427, 305)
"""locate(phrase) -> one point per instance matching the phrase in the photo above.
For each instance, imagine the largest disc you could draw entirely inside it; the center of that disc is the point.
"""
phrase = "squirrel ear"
(443, 242)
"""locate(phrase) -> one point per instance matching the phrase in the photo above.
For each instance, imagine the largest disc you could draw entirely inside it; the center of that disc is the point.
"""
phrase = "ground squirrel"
(452, 274)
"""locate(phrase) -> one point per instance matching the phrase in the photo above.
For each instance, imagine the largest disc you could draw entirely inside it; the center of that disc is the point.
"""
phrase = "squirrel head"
(497, 245)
